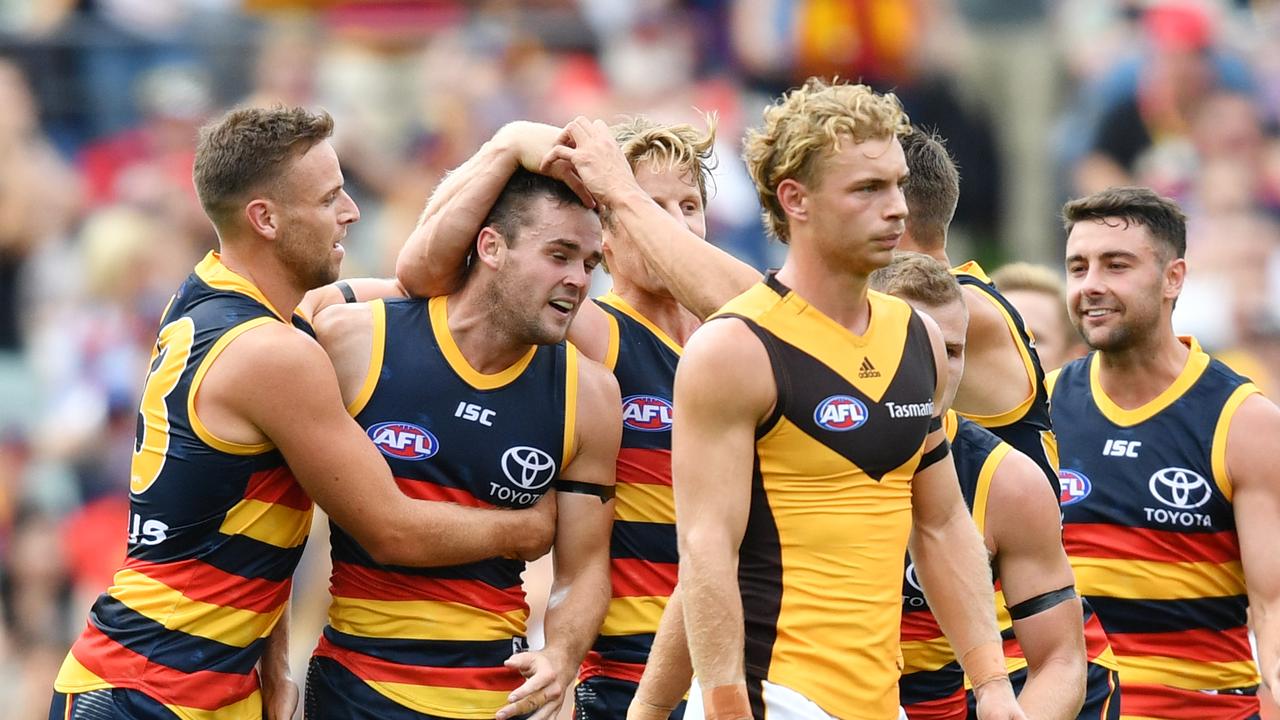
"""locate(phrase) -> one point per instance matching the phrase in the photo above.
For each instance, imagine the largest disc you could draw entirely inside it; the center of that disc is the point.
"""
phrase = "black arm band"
(1042, 602)
(940, 451)
(935, 423)
(347, 293)
(604, 492)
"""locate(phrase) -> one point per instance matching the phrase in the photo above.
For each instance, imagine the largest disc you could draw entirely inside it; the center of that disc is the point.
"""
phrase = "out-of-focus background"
(100, 100)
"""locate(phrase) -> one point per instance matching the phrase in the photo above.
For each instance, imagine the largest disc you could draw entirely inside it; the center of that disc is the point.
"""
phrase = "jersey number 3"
(168, 361)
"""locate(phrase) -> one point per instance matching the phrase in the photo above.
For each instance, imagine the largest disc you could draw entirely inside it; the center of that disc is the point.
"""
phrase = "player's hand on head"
(539, 530)
(542, 692)
(590, 148)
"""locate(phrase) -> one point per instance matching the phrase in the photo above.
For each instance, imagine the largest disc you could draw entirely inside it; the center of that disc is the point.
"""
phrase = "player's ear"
(263, 217)
(490, 247)
(1175, 274)
(793, 196)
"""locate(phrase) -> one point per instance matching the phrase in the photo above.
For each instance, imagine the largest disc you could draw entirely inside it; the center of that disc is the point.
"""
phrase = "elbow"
(386, 545)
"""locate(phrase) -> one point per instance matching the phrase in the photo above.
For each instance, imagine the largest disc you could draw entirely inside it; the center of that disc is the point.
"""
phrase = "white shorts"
(781, 703)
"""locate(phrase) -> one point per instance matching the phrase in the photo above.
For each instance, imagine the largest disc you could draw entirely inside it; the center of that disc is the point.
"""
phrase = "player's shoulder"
(335, 321)
(595, 380)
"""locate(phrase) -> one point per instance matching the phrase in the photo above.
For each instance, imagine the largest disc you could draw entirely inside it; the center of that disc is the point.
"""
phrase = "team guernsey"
(830, 505)
(1149, 527)
(933, 683)
(642, 551)
(1026, 427)
(215, 530)
(413, 642)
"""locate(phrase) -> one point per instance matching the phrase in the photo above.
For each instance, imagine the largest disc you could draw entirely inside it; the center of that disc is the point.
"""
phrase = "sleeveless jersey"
(642, 551)
(933, 684)
(216, 529)
(1026, 427)
(1149, 527)
(434, 639)
(831, 499)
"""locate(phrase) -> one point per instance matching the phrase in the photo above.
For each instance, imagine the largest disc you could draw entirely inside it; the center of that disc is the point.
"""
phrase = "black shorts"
(606, 698)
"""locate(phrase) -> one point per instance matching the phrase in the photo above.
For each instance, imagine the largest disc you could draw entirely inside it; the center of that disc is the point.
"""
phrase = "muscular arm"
(669, 671)
(364, 289)
(1024, 525)
(951, 563)
(995, 378)
(280, 382)
(723, 388)
(1256, 500)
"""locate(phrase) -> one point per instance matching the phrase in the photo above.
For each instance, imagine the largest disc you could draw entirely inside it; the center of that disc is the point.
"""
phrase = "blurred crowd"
(100, 101)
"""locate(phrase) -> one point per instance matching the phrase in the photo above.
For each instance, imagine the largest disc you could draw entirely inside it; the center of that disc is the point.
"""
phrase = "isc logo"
(1075, 486)
(1122, 448)
(647, 413)
(404, 441)
(840, 413)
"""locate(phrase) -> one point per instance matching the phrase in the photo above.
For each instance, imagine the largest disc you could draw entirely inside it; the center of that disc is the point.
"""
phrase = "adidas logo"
(867, 370)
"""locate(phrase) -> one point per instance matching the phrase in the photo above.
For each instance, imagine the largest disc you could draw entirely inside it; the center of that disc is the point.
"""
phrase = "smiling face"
(543, 273)
(854, 208)
(1120, 287)
(315, 212)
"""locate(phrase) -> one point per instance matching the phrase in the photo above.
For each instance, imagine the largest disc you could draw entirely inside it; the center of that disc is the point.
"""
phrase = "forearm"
(1265, 622)
(440, 534)
(1054, 690)
(274, 663)
(575, 611)
(669, 671)
(700, 276)
(951, 563)
(712, 613)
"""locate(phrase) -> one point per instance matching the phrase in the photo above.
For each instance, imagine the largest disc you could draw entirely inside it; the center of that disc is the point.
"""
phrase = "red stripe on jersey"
(641, 578)
(594, 664)
(279, 487)
(1201, 645)
(356, 581)
(122, 667)
(644, 466)
(1095, 638)
(424, 490)
(952, 707)
(1125, 543)
(1162, 701)
(920, 626)
(199, 581)
(375, 669)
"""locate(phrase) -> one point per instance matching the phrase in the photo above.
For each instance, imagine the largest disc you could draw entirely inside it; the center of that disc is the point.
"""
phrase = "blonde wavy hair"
(681, 146)
(807, 123)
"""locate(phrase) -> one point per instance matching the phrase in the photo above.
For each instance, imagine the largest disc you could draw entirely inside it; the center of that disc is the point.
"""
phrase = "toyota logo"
(1180, 488)
(912, 579)
(528, 467)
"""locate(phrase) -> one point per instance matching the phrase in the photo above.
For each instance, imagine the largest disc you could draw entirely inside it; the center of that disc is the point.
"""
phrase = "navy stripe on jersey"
(171, 648)
(426, 653)
(496, 572)
(655, 542)
(1158, 616)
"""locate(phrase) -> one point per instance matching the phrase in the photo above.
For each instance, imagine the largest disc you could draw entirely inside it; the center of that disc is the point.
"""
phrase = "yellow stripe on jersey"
(1187, 674)
(643, 502)
(378, 311)
(75, 678)
(1219, 454)
(170, 608)
(461, 703)
(614, 300)
(206, 435)
(1197, 361)
(220, 277)
(570, 404)
(926, 655)
(423, 620)
(438, 308)
(1152, 580)
(270, 523)
(249, 708)
(983, 489)
(633, 615)
(615, 342)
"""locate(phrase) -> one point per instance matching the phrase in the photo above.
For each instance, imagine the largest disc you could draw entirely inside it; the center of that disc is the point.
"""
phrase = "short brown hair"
(246, 151)
(918, 277)
(1161, 216)
(681, 146)
(932, 189)
(808, 122)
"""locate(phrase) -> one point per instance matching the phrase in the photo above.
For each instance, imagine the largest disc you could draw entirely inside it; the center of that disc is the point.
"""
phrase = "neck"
(256, 263)
(662, 310)
(840, 295)
(935, 248)
(1137, 375)
(477, 328)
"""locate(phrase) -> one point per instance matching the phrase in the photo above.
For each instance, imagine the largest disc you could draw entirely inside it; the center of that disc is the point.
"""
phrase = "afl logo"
(1075, 487)
(528, 467)
(1180, 488)
(646, 413)
(840, 413)
(404, 441)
